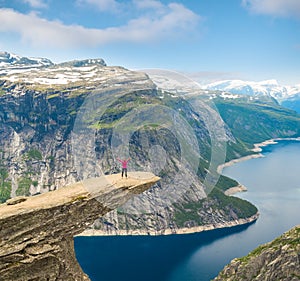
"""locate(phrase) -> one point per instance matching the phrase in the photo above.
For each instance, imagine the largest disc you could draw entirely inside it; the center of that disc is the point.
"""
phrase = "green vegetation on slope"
(24, 187)
(241, 207)
(255, 122)
(33, 154)
(5, 185)
(188, 212)
(215, 203)
(225, 183)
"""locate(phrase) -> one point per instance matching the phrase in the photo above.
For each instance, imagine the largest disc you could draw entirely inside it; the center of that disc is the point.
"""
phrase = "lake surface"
(273, 184)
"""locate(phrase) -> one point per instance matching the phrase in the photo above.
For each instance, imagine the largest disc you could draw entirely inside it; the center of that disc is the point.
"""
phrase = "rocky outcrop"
(36, 233)
(235, 189)
(277, 260)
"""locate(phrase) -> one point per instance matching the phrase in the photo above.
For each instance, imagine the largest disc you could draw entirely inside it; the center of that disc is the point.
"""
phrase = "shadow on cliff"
(136, 258)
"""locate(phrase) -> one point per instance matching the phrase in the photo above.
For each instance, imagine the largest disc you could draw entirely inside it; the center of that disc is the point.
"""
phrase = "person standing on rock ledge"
(124, 166)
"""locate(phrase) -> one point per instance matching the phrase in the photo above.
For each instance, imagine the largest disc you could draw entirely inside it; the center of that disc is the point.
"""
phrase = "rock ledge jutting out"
(36, 233)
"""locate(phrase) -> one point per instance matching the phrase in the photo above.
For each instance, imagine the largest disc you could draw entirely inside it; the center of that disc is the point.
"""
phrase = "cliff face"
(38, 113)
(43, 146)
(277, 260)
(36, 122)
(36, 233)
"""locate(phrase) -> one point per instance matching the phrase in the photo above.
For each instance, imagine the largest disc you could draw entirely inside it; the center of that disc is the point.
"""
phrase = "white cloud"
(277, 8)
(175, 21)
(102, 5)
(148, 4)
(36, 3)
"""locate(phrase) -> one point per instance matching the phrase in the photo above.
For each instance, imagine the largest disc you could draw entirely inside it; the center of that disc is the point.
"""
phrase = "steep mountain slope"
(68, 122)
(277, 260)
(254, 122)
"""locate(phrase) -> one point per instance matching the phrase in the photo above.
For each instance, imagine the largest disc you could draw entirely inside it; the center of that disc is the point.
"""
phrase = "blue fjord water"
(273, 184)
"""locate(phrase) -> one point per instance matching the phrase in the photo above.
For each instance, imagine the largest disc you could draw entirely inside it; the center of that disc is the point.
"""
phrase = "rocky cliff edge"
(36, 233)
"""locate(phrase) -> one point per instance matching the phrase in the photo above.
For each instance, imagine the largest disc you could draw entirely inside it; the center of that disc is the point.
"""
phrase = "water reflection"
(144, 257)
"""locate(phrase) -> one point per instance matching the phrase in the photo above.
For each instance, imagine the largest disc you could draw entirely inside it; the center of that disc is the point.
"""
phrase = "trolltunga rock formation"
(36, 233)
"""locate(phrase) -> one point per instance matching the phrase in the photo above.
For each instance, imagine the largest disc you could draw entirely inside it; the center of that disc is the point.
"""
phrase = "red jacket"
(124, 162)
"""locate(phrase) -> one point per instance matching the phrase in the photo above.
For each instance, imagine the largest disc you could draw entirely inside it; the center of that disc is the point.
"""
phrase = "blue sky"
(210, 39)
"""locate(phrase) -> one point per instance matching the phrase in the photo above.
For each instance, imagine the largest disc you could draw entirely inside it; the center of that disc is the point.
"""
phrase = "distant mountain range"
(269, 88)
(11, 63)
(12, 66)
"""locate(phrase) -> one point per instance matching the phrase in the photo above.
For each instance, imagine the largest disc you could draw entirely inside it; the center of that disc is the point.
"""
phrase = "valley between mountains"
(58, 126)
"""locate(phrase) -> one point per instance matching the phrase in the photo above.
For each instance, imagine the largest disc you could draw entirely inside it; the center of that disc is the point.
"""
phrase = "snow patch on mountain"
(42, 71)
(225, 95)
(58, 75)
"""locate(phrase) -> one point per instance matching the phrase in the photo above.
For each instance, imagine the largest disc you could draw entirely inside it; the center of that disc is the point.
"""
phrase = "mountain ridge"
(11, 63)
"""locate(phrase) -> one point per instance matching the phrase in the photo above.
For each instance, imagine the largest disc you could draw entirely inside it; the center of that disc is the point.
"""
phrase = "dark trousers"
(124, 170)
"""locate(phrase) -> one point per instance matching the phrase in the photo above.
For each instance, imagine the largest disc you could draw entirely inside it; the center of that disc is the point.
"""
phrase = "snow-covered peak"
(242, 87)
(270, 88)
(10, 60)
(271, 82)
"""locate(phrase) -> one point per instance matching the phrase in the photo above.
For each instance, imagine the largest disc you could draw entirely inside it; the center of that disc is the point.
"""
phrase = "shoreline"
(258, 146)
(168, 231)
(256, 149)
(237, 160)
